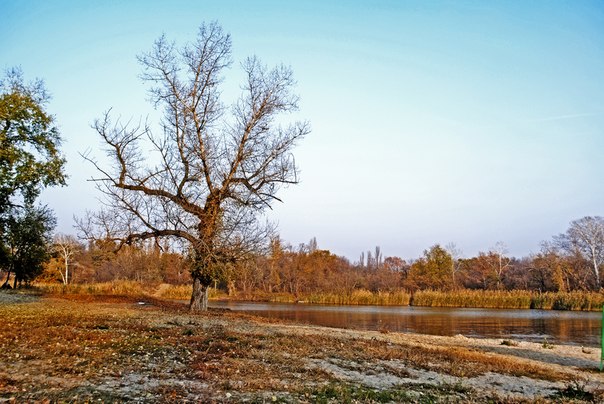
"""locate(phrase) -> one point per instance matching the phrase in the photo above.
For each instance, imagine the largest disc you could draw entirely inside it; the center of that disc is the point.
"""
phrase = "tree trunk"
(6, 282)
(596, 271)
(199, 297)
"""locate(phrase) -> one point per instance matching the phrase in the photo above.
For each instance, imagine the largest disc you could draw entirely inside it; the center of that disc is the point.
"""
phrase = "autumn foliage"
(549, 279)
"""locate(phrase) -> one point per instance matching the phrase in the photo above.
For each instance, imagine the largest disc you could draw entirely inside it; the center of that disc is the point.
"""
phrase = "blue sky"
(433, 121)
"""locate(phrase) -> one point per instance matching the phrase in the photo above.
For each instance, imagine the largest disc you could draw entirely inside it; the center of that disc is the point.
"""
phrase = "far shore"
(464, 298)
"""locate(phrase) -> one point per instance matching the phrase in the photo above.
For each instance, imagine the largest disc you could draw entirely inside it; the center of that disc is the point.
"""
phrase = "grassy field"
(81, 348)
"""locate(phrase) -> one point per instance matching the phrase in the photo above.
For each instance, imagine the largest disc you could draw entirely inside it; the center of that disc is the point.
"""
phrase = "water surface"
(564, 327)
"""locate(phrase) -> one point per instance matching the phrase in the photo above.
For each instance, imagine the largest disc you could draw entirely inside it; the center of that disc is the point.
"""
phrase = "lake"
(562, 327)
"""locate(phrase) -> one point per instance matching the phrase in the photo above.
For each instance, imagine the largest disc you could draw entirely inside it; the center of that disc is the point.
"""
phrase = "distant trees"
(455, 254)
(585, 237)
(547, 271)
(66, 247)
(308, 269)
(99, 261)
(395, 264)
(486, 270)
(374, 259)
(502, 262)
(477, 272)
(212, 169)
(303, 269)
(432, 271)
(29, 161)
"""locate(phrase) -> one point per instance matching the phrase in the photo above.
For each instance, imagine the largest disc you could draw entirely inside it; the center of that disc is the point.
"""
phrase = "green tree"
(432, 271)
(27, 243)
(29, 141)
(29, 161)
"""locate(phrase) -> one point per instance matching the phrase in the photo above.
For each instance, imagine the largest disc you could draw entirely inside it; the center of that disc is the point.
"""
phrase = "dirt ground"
(121, 349)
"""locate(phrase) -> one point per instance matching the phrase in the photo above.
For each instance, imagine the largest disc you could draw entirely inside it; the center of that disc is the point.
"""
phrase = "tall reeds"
(493, 299)
(515, 299)
(500, 299)
(361, 297)
(587, 301)
(356, 297)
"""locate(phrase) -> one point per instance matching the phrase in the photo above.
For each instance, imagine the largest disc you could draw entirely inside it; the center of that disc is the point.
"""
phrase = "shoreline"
(306, 302)
(516, 300)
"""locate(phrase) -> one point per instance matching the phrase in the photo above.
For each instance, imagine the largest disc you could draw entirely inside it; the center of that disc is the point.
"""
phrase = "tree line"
(564, 264)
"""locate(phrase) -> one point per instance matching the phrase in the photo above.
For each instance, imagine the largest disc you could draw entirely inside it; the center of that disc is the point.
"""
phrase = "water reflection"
(578, 328)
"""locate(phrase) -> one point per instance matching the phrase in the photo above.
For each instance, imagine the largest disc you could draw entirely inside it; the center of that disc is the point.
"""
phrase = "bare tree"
(378, 257)
(369, 260)
(586, 237)
(503, 262)
(456, 254)
(66, 247)
(208, 174)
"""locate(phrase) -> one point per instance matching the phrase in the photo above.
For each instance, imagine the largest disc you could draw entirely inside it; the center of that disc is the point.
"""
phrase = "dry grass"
(83, 348)
(117, 287)
(125, 288)
(174, 292)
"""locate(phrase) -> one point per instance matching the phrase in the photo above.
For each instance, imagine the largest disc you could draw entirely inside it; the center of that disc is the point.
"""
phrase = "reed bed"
(586, 301)
(496, 299)
(361, 297)
(515, 299)
(356, 297)
(263, 297)
(493, 299)
(276, 297)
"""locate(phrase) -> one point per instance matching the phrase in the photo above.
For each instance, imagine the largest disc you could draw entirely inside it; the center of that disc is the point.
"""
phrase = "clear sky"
(470, 122)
